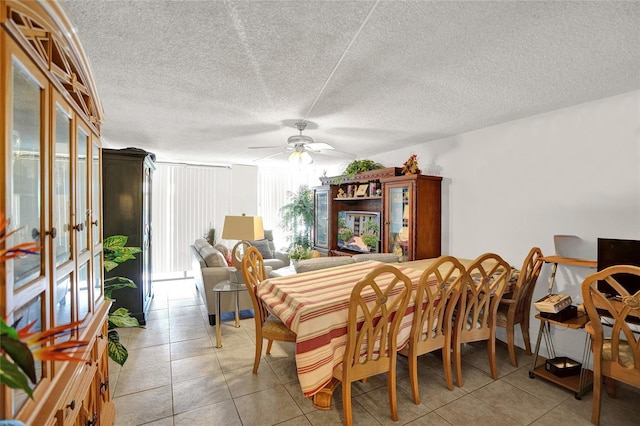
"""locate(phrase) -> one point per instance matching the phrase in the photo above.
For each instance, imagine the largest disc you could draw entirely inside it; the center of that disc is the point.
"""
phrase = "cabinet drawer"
(71, 407)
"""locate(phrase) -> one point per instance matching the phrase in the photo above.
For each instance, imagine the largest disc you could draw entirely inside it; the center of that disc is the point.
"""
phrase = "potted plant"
(297, 217)
(358, 166)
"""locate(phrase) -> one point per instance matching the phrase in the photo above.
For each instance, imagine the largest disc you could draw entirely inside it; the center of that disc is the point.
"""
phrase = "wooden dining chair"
(515, 306)
(438, 290)
(376, 307)
(477, 308)
(267, 326)
(616, 353)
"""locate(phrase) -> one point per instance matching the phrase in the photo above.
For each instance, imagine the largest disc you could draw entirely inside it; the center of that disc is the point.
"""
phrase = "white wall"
(244, 190)
(513, 186)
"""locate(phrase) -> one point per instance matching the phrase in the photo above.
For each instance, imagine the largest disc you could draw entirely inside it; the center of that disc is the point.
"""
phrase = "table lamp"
(244, 228)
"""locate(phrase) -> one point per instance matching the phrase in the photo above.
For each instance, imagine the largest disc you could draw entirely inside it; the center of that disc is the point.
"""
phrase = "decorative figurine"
(410, 167)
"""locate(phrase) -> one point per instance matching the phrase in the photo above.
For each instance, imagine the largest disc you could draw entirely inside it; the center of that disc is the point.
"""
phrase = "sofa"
(317, 263)
(210, 266)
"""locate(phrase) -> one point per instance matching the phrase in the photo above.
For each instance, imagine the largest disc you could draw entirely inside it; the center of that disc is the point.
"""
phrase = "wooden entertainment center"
(408, 206)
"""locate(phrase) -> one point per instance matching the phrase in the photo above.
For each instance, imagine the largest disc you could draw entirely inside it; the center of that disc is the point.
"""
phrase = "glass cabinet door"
(96, 208)
(25, 153)
(61, 179)
(322, 219)
(81, 219)
(398, 221)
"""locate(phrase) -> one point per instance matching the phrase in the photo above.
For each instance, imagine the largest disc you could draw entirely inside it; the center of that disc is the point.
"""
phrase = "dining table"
(315, 306)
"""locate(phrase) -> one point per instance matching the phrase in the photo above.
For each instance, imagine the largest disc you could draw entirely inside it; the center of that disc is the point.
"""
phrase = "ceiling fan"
(301, 147)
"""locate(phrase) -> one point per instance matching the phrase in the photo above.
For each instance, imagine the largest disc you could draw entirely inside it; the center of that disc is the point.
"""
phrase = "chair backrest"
(438, 289)
(253, 273)
(615, 311)
(376, 307)
(487, 279)
(526, 283)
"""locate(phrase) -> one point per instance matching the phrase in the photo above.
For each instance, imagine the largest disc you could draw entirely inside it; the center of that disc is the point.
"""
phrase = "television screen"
(359, 231)
(619, 252)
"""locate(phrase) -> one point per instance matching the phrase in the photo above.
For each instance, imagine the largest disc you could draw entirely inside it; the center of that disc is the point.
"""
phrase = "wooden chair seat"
(274, 329)
(616, 357)
(267, 326)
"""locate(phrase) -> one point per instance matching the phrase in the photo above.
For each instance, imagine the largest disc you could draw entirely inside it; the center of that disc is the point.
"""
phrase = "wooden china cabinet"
(409, 206)
(51, 191)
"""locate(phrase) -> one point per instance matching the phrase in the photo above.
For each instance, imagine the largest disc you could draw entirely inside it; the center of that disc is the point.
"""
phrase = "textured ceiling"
(203, 81)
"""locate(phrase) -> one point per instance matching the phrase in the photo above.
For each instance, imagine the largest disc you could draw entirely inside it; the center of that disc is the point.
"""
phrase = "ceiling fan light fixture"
(300, 158)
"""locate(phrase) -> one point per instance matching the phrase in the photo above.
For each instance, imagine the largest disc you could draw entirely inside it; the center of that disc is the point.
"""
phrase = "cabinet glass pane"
(62, 304)
(24, 192)
(399, 221)
(62, 187)
(95, 194)
(27, 314)
(97, 278)
(83, 291)
(322, 219)
(81, 191)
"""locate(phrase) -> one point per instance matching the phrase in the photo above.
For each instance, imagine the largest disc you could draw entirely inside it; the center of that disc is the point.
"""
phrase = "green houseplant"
(115, 252)
(370, 232)
(358, 166)
(297, 217)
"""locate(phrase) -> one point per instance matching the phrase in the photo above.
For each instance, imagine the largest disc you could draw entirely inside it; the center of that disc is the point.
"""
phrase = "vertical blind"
(187, 200)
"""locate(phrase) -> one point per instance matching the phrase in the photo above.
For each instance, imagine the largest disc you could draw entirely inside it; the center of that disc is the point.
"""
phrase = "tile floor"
(175, 376)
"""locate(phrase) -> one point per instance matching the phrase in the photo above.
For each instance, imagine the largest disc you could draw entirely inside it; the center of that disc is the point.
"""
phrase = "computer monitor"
(619, 252)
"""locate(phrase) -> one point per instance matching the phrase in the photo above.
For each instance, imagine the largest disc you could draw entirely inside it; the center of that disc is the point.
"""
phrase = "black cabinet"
(126, 191)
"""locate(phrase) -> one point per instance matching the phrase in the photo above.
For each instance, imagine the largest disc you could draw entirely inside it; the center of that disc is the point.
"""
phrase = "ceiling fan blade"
(265, 147)
(269, 156)
(317, 146)
(334, 153)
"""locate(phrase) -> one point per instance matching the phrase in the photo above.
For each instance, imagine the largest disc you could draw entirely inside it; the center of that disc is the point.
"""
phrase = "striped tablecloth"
(315, 306)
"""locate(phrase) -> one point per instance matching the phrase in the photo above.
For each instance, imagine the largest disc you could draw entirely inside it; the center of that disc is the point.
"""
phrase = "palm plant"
(297, 217)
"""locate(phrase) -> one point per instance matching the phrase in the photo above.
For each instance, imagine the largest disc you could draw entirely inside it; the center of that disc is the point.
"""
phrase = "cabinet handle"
(79, 227)
(104, 385)
(101, 336)
(53, 232)
(93, 421)
(95, 222)
(72, 405)
(35, 233)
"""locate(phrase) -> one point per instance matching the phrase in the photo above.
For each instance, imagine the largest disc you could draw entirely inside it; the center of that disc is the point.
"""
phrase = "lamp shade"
(243, 228)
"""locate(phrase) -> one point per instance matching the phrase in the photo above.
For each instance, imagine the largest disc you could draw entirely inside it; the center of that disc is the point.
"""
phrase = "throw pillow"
(263, 248)
(212, 257)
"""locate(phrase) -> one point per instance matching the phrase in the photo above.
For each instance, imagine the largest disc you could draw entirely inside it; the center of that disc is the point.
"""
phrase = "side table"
(226, 287)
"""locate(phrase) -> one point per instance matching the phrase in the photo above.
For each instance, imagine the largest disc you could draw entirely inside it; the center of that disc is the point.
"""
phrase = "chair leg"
(491, 346)
(597, 395)
(256, 361)
(346, 403)
(393, 396)
(413, 377)
(524, 326)
(269, 343)
(458, 360)
(446, 363)
(512, 344)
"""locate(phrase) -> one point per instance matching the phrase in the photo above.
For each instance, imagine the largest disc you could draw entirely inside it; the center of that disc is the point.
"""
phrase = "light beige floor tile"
(200, 392)
(187, 332)
(267, 407)
(157, 314)
(285, 368)
(158, 324)
(167, 421)
(472, 378)
(376, 403)
(537, 386)
(335, 416)
(242, 381)
(433, 390)
(470, 411)
(144, 378)
(189, 348)
(560, 416)
(143, 337)
(147, 356)
(297, 421)
(480, 359)
(186, 321)
(514, 402)
(221, 413)
(183, 308)
(195, 366)
(304, 403)
(156, 403)
(431, 419)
